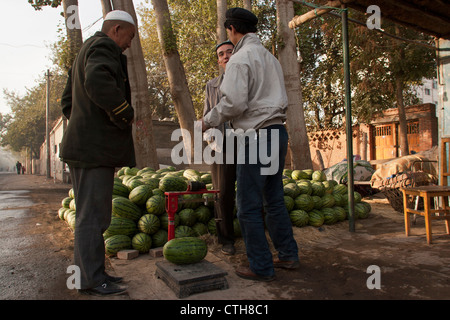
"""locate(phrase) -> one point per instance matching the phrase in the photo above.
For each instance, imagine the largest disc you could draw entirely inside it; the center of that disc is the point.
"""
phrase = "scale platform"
(188, 279)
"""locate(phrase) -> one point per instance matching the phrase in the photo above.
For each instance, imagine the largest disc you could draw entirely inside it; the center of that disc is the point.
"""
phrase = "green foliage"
(376, 61)
(26, 127)
(38, 4)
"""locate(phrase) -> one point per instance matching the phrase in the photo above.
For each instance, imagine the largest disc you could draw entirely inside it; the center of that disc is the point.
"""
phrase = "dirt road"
(36, 248)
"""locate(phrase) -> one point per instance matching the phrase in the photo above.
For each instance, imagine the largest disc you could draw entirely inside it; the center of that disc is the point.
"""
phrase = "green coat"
(97, 102)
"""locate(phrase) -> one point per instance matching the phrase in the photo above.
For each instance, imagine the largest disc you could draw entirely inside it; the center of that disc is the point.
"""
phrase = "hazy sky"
(26, 39)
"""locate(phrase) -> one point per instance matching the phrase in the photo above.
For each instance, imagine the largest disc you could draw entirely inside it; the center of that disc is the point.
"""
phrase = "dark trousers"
(93, 197)
(258, 190)
(224, 178)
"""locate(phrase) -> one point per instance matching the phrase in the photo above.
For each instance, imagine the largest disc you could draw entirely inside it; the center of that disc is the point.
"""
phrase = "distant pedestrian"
(18, 167)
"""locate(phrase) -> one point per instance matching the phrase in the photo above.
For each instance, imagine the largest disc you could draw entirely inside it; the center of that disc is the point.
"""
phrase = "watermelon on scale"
(185, 250)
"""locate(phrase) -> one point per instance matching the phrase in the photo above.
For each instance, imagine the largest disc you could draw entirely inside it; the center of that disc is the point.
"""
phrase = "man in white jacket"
(255, 101)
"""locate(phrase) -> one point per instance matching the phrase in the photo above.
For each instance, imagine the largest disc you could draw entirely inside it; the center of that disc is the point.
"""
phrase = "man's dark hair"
(240, 26)
(244, 21)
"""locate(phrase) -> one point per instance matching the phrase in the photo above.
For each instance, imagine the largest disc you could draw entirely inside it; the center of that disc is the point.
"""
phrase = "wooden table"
(427, 193)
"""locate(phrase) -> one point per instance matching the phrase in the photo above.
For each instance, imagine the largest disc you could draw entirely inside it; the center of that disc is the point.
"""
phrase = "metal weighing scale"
(198, 277)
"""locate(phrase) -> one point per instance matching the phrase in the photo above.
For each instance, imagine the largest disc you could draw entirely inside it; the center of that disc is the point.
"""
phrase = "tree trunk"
(106, 6)
(145, 149)
(248, 5)
(403, 134)
(175, 72)
(221, 11)
(74, 35)
(296, 126)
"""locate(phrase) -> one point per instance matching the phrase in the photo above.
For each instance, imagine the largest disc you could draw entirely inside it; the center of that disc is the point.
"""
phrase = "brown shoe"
(246, 273)
(286, 264)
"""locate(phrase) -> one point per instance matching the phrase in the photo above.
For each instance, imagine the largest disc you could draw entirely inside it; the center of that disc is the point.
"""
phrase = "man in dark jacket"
(98, 139)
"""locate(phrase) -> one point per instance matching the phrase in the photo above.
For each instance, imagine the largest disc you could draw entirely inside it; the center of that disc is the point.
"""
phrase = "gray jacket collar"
(246, 39)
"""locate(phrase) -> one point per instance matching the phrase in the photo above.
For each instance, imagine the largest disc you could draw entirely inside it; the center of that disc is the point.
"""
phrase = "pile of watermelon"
(313, 200)
(139, 219)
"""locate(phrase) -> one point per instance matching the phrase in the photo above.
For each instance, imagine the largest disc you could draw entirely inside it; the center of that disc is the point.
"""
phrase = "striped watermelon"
(156, 205)
(316, 218)
(287, 173)
(187, 217)
(125, 208)
(329, 215)
(159, 238)
(120, 225)
(116, 243)
(200, 229)
(141, 194)
(184, 231)
(67, 212)
(172, 183)
(66, 202)
(212, 226)
(120, 189)
(289, 203)
(185, 250)
(131, 171)
(318, 202)
(338, 199)
(340, 213)
(299, 218)
(318, 188)
(299, 174)
(309, 173)
(305, 187)
(61, 212)
(341, 189)
(361, 210)
(191, 205)
(328, 186)
(141, 242)
(318, 175)
(158, 192)
(206, 178)
(328, 201)
(291, 190)
(71, 219)
(133, 183)
(152, 182)
(149, 223)
(202, 213)
(304, 202)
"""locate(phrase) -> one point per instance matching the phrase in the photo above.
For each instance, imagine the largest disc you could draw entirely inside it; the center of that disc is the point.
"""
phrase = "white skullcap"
(120, 15)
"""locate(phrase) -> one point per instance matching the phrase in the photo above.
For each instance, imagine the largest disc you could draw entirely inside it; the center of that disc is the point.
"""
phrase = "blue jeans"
(258, 192)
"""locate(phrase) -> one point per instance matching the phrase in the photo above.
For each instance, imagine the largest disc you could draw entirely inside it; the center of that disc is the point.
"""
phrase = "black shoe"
(228, 249)
(105, 289)
(113, 279)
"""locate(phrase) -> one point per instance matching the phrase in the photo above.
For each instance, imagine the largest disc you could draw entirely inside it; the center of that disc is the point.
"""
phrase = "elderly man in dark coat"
(98, 139)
